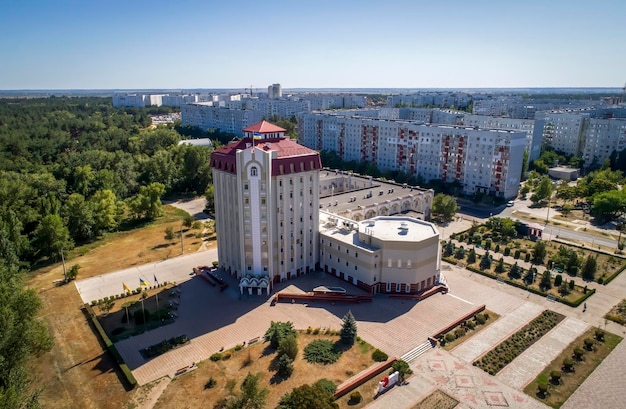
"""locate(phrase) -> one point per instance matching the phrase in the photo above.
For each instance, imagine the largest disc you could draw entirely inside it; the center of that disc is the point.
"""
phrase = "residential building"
(223, 119)
(481, 160)
(266, 207)
(385, 254)
(274, 91)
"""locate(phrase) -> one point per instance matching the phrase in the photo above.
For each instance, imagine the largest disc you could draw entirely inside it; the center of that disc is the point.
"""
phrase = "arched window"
(254, 171)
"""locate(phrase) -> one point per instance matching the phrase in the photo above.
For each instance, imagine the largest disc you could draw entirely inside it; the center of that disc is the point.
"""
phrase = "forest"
(71, 170)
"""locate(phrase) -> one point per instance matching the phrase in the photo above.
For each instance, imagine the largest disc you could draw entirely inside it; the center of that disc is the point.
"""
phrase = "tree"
(608, 205)
(105, 211)
(589, 268)
(543, 190)
(348, 329)
(524, 190)
(285, 366)
(471, 256)
(72, 273)
(515, 271)
(278, 331)
(308, 397)
(444, 206)
(147, 204)
(188, 220)
(52, 237)
(459, 253)
(251, 395)
(546, 281)
(288, 346)
(500, 266)
(210, 198)
(485, 261)
(169, 233)
(402, 367)
(448, 249)
(539, 252)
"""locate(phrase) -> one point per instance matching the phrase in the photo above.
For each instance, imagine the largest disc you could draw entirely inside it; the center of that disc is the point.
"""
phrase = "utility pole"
(64, 269)
(182, 247)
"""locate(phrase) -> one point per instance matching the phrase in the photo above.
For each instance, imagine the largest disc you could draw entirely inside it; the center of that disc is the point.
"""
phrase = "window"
(408, 288)
(254, 171)
(263, 201)
(398, 287)
(388, 287)
(245, 187)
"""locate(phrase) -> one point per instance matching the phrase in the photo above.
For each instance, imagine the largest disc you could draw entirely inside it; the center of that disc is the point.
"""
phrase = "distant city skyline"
(367, 44)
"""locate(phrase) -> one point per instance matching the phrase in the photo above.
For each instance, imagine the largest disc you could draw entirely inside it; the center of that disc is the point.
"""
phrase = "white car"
(510, 203)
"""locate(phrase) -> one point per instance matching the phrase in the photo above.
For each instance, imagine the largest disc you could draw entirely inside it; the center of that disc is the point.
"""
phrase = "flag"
(126, 287)
(142, 283)
(257, 135)
(155, 280)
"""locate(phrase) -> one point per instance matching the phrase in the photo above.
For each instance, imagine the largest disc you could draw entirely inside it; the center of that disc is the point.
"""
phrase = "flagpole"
(143, 310)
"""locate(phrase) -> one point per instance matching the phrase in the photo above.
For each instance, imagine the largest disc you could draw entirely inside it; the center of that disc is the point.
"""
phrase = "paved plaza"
(215, 320)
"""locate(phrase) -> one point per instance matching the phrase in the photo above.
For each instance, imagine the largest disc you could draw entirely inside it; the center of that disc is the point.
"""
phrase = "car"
(510, 203)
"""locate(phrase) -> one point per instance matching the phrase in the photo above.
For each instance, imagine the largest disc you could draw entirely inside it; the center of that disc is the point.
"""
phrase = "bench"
(254, 340)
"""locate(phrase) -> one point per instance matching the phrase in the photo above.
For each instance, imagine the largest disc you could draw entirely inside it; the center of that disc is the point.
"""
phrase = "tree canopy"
(444, 206)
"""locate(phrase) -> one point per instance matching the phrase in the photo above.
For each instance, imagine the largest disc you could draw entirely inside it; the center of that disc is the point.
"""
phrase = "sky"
(235, 44)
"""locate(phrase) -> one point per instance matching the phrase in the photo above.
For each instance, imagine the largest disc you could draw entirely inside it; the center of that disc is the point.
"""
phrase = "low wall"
(459, 321)
(363, 377)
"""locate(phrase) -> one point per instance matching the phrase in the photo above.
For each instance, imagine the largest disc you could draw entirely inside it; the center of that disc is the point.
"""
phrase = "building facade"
(225, 119)
(274, 91)
(481, 160)
(382, 254)
(266, 207)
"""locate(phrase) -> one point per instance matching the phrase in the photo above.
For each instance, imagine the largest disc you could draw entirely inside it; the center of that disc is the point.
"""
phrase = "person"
(584, 307)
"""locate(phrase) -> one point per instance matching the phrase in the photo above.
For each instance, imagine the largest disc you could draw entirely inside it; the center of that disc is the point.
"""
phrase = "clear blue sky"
(112, 44)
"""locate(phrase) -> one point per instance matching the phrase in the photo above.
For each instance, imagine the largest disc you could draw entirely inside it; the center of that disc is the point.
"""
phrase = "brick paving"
(606, 387)
(495, 333)
(531, 362)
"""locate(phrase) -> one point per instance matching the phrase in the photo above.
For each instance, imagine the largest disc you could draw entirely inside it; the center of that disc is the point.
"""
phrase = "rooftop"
(264, 127)
(398, 228)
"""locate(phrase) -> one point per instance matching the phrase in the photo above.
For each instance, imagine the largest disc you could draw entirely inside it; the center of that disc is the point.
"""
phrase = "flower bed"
(505, 352)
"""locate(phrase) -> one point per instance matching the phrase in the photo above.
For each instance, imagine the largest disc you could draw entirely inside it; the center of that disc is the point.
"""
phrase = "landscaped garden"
(618, 313)
(568, 371)
(437, 400)
(509, 349)
(467, 329)
(298, 369)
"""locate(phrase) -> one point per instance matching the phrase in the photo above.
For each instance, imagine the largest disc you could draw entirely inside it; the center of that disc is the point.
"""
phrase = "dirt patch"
(78, 372)
(437, 400)
(188, 391)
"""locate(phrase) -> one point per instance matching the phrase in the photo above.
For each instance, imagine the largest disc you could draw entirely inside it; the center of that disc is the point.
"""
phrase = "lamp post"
(182, 247)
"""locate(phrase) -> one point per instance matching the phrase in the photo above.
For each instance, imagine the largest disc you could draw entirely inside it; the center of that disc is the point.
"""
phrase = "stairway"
(417, 351)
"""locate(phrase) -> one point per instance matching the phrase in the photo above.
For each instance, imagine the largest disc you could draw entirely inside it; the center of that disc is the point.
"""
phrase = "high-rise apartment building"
(481, 160)
(266, 207)
(274, 91)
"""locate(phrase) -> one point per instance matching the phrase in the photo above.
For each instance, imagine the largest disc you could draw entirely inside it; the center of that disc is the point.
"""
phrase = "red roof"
(288, 152)
(264, 127)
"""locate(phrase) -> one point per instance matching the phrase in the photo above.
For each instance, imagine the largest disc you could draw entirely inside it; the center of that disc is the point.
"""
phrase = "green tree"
(471, 256)
(448, 249)
(105, 211)
(515, 271)
(589, 268)
(485, 261)
(539, 252)
(285, 366)
(444, 206)
(543, 190)
(278, 331)
(72, 273)
(169, 233)
(500, 266)
(210, 198)
(80, 217)
(608, 205)
(147, 204)
(308, 397)
(348, 329)
(288, 346)
(402, 367)
(252, 396)
(52, 237)
(546, 280)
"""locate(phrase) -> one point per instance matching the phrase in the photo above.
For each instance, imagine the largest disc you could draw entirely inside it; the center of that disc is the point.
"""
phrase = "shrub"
(542, 388)
(601, 280)
(558, 280)
(571, 284)
(226, 355)
(210, 383)
(402, 367)
(379, 356)
(516, 254)
(316, 331)
(555, 377)
(327, 386)
(321, 351)
(216, 357)
(480, 319)
(278, 331)
(459, 332)
(309, 330)
(527, 257)
(507, 251)
(497, 249)
(599, 335)
(568, 364)
(450, 337)
(285, 366)
(578, 353)
(355, 397)
(588, 344)
(238, 347)
(470, 324)
(288, 346)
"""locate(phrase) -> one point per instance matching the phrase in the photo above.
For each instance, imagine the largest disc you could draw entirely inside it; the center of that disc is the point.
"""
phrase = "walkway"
(532, 362)
(495, 333)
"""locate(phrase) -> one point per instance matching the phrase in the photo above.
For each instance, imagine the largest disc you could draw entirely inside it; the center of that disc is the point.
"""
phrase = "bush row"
(130, 378)
(126, 294)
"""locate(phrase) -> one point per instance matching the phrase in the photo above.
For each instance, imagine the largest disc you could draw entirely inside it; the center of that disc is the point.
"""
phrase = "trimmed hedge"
(615, 274)
(524, 287)
(130, 378)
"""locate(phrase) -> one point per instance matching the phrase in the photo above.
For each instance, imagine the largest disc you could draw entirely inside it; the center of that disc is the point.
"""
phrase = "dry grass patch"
(77, 372)
(188, 391)
(558, 393)
(437, 400)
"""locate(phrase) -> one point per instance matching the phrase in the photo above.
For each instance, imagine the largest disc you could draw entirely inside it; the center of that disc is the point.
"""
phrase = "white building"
(274, 91)
(179, 100)
(386, 254)
(266, 207)
(129, 100)
(481, 160)
(223, 119)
